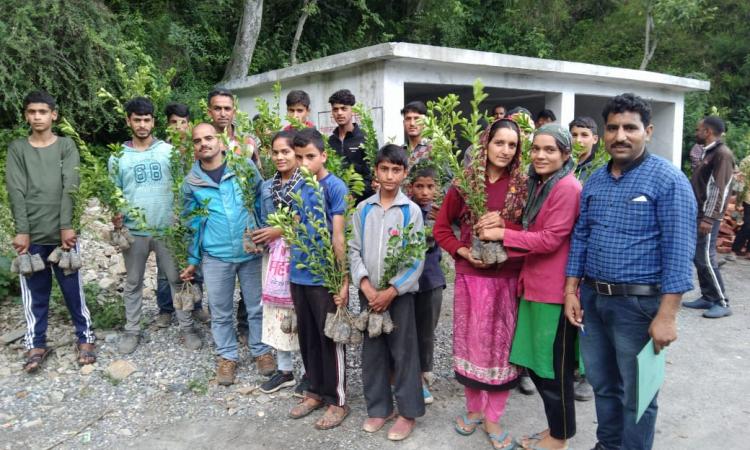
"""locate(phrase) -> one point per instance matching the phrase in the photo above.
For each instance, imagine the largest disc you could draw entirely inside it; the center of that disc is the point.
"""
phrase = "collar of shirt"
(630, 166)
(401, 199)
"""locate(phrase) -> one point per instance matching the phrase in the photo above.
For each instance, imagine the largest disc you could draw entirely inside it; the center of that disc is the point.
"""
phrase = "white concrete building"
(386, 76)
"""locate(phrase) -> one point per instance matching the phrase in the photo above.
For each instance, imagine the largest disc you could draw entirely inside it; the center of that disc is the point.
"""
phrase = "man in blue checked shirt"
(633, 248)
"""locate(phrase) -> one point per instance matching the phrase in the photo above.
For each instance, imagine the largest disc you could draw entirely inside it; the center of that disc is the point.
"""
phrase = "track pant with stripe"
(325, 360)
(707, 266)
(35, 295)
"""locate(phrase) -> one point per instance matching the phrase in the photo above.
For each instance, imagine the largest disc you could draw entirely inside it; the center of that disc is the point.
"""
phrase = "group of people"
(596, 270)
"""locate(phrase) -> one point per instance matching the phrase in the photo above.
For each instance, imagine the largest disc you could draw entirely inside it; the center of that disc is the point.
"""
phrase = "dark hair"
(298, 97)
(584, 122)
(394, 154)
(307, 136)
(177, 109)
(422, 172)
(343, 97)
(219, 92)
(139, 105)
(498, 106)
(415, 106)
(628, 102)
(504, 123)
(40, 97)
(716, 125)
(284, 134)
(546, 114)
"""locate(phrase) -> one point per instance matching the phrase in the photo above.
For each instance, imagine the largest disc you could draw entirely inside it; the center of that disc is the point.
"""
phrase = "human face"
(390, 176)
(625, 137)
(701, 133)
(40, 116)
(178, 123)
(283, 156)
(141, 125)
(502, 147)
(412, 125)
(499, 113)
(546, 157)
(311, 158)
(342, 114)
(205, 143)
(221, 110)
(298, 111)
(585, 137)
(423, 190)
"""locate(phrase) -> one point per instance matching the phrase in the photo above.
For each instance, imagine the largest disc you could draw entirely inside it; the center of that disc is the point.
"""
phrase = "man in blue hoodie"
(143, 174)
(217, 244)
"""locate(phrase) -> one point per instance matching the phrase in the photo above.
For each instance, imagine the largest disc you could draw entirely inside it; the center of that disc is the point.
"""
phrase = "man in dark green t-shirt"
(41, 174)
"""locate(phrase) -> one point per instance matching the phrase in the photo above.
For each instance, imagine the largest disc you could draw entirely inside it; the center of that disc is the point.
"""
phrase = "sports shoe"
(201, 315)
(717, 311)
(225, 369)
(583, 391)
(279, 380)
(163, 320)
(302, 386)
(265, 364)
(128, 343)
(526, 386)
(698, 303)
(192, 339)
(428, 398)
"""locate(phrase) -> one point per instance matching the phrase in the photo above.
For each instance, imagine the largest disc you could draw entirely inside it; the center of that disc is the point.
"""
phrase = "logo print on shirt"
(145, 172)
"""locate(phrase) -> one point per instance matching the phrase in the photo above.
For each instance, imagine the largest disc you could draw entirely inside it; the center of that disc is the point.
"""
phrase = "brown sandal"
(305, 407)
(86, 354)
(34, 359)
(333, 417)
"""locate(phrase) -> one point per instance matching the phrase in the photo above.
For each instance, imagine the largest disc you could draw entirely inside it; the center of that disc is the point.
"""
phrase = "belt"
(604, 288)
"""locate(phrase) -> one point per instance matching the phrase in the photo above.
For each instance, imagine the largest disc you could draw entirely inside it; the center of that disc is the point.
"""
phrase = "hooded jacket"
(712, 181)
(220, 234)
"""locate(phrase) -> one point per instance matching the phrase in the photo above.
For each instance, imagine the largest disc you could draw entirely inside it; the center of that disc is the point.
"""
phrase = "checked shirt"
(639, 228)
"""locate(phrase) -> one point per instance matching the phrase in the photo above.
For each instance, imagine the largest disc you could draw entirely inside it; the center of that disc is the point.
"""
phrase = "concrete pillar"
(393, 100)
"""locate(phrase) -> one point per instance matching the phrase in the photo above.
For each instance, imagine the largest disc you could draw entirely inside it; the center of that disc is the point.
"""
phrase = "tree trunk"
(244, 44)
(306, 9)
(649, 45)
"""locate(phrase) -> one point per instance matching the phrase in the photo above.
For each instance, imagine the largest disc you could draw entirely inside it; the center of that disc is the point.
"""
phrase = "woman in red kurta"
(544, 339)
(485, 302)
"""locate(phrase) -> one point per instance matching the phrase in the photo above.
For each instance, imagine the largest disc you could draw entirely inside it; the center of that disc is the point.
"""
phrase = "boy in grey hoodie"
(395, 353)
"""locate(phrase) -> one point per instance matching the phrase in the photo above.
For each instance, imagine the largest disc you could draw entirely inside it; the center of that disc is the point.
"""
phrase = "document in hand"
(650, 376)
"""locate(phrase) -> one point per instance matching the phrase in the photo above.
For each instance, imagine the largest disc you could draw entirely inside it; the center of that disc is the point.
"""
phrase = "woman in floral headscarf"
(485, 303)
(544, 339)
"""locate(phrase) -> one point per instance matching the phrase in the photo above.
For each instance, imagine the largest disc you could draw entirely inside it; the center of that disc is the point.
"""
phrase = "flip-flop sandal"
(474, 423)
(498, 439)
(303, 409)
(536, 437)
(321, 425)
(34, 361)
(85, 356)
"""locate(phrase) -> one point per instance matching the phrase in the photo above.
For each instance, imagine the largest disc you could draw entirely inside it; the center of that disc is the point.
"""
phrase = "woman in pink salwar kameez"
(485, 296)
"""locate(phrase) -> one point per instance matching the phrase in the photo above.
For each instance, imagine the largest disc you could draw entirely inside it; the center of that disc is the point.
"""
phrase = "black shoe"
(583, 391)
(278, 381)
(303, 386)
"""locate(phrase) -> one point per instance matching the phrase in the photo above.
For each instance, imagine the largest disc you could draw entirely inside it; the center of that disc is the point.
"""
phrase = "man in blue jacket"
(217, 244)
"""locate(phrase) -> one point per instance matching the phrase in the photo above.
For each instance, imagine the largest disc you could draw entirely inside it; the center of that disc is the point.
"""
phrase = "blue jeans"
(220, 278)
(616, 331)
(164, 292)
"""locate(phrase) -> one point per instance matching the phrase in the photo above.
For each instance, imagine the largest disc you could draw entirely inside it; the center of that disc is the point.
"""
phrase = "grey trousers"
(396, 353)
(427, 307)
(135, 264)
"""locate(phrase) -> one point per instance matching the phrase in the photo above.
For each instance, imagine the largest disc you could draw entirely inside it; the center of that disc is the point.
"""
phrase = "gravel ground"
(170, 401)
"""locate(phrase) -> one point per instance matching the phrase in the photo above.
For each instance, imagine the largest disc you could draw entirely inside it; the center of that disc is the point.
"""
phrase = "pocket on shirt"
(638, 216)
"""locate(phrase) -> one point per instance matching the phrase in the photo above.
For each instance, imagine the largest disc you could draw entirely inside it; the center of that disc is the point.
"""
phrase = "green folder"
(650, 376)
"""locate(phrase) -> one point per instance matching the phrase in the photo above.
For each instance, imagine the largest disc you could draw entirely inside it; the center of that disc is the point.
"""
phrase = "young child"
(325, 360)
(217, 245)
(584, 132)
(41, 173)
(396, 353)
(277, 299)
(298, 107)
(429, 297)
